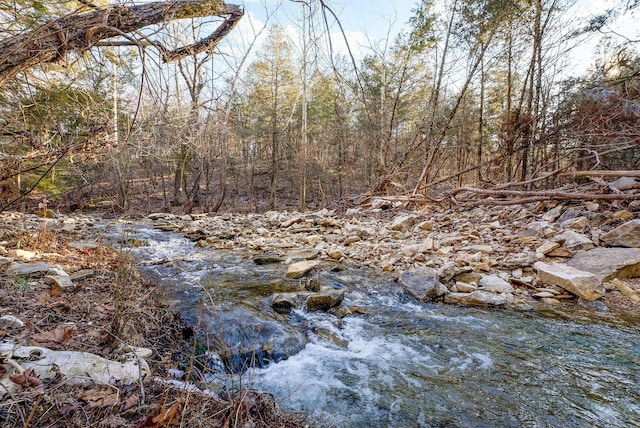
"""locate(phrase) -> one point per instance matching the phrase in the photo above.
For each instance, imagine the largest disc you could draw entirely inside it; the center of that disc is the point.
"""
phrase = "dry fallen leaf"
(55, 290)
(26, 378)
(130, 401)
(69, 407)
(105, 309)
(99, 398)
(164, 418)
(54, 338)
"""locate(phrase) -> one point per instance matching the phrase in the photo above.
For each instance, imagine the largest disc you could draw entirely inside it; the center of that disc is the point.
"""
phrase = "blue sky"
(370, 23)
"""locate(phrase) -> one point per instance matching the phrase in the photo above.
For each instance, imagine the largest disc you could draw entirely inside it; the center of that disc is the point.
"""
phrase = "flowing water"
(399, 363)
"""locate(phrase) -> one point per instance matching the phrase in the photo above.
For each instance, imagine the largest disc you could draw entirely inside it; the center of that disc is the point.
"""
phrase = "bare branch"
(79, 32)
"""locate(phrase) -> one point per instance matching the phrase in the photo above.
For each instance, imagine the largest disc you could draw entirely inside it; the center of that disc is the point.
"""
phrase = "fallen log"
(533, 196)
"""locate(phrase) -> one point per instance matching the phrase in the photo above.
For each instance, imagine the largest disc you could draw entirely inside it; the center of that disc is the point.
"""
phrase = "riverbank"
(90, 298)
(551, 254)
(85, 342)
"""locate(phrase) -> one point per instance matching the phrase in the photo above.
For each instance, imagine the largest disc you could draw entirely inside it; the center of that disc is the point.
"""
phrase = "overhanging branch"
(79, 32)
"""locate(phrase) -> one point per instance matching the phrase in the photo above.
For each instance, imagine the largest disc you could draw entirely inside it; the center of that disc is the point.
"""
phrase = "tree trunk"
(78, 32)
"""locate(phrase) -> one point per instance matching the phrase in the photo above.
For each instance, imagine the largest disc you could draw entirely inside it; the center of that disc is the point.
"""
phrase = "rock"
(626, 235)
(75, 367)
(560, 252)
(583, 284)
(82, 274)
(447, 271)
(543, 294)
(469, 277)
(422, 283)
(626, 291)
(550, 301)
(381, 204)
(626, 183)
(495, 284)
(578, 223)
(574, 241)
(412, 250)
(299, 269)
(284, 302)
(62, 281)
(22, 255)
(623, 215)
(547, 247)
(463, 287)
(324, 300)
(479, 298)
(10, 321)
(335, 253)
(426, 225)
(266, 259)
(305, 254)
(521, 260)
(353, 212)
(569, 214)
(537, 228)
(484, 249)
(553, 213)
(28, 269)
(592, 206)
(403, 223)
(608, 263)
(82, 246)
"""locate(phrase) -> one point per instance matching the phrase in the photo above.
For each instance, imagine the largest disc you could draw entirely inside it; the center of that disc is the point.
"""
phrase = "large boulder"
(422, 283)
(245, 336)
(626, 235)
(581, 283)
(479, 298)
(608, 263)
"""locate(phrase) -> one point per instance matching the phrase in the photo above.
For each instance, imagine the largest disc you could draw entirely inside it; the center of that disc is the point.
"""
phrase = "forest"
(471, 102)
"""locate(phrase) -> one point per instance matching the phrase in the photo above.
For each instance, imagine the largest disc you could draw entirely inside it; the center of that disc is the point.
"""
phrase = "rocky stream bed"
(503, 316)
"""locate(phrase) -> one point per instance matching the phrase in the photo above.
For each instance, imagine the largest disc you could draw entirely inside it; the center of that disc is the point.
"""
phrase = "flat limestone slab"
(626, 235)
(581, 283)
(608, 263)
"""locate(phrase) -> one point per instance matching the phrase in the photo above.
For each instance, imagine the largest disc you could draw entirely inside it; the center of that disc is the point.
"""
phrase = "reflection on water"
(400, 363)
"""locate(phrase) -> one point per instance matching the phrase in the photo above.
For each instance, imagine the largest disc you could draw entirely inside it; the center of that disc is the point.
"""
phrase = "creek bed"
(397, 362)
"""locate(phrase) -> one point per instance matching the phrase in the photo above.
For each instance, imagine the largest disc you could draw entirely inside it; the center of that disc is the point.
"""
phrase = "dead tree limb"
(79, 32)
(525, 197)
(633, 173)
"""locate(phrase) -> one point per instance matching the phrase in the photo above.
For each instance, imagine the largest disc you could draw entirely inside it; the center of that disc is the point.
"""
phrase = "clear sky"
(370, 22)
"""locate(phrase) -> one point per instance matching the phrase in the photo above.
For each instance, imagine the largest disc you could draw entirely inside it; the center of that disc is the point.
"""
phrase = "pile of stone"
(498, 255)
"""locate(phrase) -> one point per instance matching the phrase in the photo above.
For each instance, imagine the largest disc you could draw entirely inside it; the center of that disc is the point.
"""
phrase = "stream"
(392, 361)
